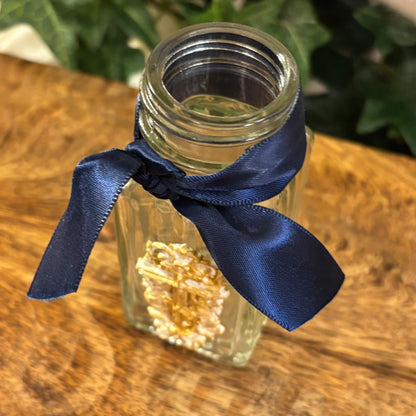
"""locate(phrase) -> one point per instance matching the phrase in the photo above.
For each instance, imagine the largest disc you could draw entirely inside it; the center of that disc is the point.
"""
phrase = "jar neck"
(244, 84)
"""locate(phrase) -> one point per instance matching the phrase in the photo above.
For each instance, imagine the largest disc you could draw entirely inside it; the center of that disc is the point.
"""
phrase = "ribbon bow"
(274, 263)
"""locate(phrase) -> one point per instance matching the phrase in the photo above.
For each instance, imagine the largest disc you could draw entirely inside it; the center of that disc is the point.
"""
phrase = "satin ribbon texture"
(274, 263)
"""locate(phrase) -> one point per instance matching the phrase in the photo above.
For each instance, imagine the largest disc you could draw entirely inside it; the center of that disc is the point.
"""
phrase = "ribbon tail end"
(339, 278)
(36, 294)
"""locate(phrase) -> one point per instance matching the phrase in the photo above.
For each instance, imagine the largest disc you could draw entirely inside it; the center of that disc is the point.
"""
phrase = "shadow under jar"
(208, 93)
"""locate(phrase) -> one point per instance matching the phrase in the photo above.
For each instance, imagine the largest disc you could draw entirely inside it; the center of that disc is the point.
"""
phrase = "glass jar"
(208, 93)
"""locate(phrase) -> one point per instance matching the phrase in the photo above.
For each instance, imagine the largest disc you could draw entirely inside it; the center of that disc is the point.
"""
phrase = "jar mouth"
(220, 83)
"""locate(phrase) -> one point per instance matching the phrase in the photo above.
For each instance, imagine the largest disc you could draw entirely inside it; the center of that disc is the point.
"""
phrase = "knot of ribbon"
(157, 176)
(274, 263)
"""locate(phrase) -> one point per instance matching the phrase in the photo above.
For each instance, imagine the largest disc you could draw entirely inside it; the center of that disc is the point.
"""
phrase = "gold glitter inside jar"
(185, 293)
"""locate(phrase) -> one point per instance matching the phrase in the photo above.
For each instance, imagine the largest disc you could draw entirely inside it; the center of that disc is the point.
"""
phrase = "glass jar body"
(141, 218)
(247, 83)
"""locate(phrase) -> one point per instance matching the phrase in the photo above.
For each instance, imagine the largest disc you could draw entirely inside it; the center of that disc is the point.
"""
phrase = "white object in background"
(22, 41)
(406, 7)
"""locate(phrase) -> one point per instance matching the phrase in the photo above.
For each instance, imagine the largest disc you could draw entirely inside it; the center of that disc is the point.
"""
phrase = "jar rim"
(202, 128)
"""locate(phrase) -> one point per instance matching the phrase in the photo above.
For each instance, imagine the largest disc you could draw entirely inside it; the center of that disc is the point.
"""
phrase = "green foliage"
(88, 35)
(295, 25)
(293, 22)
(392, 104)
(363, 55)
(388, 28)
(369, 70)
(43, 17)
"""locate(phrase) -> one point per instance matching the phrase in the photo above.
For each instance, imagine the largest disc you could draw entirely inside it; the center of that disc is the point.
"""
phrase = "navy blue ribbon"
(274, 263)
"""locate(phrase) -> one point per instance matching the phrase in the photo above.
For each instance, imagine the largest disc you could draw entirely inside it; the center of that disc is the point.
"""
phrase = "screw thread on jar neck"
(254, 77)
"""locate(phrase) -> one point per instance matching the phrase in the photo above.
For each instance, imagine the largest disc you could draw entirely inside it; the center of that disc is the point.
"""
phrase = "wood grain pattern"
(77, 356)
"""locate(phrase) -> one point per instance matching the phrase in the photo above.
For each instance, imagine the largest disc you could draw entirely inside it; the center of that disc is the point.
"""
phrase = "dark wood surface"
(77, 356)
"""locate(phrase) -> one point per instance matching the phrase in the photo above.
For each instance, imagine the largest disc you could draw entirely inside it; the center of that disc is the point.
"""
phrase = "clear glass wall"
(208, 93)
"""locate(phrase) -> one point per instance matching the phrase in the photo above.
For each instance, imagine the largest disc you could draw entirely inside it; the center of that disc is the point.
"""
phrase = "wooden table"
(77, 356)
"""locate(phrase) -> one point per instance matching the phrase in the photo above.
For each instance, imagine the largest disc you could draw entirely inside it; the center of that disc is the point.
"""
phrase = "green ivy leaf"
(389, 28)
(301, 40)
(133, 17)
(72, 3)
(260, 14)
(374, 19)
(393, 104)
(218, 11)
(114, 59)
(89, 21)
(186, 12)
(402, 30)
(298, 11)
(293, 23)
(42, 16)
